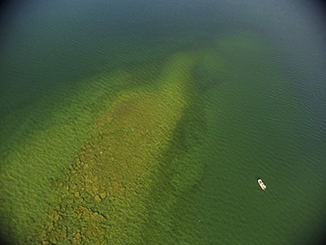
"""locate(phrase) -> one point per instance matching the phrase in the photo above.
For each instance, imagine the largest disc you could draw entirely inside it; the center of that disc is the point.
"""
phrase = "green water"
(258, 131)
(234, 118)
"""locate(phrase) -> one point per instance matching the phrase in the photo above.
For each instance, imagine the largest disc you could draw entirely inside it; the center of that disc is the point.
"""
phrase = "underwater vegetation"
(134, 157)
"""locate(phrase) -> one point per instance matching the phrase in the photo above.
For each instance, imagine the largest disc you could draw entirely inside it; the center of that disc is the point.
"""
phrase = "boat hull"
(262, 185)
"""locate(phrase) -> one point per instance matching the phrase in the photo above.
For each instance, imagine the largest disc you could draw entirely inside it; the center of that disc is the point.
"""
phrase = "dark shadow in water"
(205, 78)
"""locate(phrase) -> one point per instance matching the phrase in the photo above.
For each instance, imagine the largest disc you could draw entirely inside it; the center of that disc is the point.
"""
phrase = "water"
(137, 123)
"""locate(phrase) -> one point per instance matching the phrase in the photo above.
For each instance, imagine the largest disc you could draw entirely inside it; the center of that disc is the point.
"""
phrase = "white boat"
(262, 185)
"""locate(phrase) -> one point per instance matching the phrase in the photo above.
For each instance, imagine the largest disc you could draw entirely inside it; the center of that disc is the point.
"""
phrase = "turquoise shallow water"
(256, 111)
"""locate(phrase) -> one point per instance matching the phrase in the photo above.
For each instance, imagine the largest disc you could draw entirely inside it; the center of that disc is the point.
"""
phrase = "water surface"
(138, 123)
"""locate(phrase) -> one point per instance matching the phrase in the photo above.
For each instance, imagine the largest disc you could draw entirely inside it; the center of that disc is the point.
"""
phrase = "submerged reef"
(108, 192)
